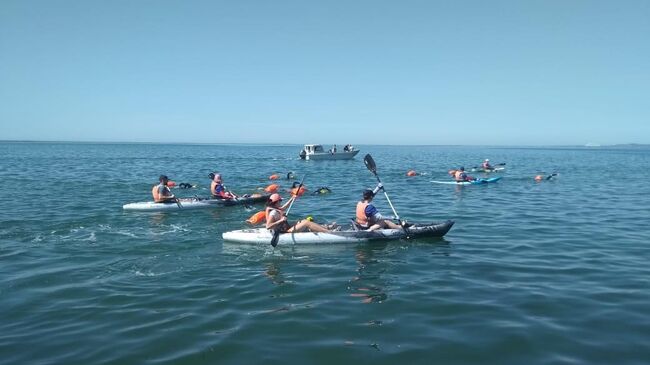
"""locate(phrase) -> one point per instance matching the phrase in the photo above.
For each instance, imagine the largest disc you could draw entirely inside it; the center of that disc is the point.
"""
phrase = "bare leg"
(391, 225)
(304, 225)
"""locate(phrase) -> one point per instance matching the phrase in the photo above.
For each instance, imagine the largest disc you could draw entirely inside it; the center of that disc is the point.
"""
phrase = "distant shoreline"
(587, 146)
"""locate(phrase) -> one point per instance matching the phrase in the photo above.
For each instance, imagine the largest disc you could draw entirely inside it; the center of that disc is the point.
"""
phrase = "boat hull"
(332, 156)
(193, 203)
(262, 236)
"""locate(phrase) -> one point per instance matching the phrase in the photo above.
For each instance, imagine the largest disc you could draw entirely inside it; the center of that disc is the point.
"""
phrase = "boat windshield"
(318, 148)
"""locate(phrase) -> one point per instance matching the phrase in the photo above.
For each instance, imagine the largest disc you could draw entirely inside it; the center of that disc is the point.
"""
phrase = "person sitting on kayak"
(461, 176)
(367, 216)
(217, 190)
(486, 165)
(276, 220)
(161, 193)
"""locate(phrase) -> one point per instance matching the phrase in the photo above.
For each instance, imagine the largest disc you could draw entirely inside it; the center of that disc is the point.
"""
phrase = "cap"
(487, 159)
(367, 194)
(211, 175)
(163, 177)
(275, 198)
(462, 168)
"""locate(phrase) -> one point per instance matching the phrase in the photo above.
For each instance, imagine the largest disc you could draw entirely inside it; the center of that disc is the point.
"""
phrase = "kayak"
(487, 171)
(195, 203)
(263, 236)
(474, 182)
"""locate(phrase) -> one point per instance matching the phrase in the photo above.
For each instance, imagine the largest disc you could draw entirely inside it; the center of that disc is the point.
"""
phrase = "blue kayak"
(474, 182)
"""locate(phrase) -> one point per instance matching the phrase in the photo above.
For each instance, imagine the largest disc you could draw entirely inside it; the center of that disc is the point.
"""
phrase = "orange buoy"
(257, 218)
(539, 178)
(273, 188)
(298, 192)
(171, 184)
(411, 173)
(274, 177)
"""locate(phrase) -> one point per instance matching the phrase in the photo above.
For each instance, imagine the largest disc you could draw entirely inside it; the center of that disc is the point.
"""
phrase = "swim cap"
(211, 175)
(275, 198)
(462, 168)
(367, 194)
(163, 177)
(487, 159)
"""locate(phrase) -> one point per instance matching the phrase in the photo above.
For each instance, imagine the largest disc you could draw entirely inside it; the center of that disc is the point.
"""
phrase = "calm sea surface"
(556, 272)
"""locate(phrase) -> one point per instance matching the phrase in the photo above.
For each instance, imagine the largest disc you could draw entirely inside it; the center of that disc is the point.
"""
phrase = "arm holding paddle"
(370, 164)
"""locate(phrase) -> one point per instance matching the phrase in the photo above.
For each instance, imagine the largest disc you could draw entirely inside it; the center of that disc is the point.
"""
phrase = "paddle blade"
(276, 237)
(370, 163)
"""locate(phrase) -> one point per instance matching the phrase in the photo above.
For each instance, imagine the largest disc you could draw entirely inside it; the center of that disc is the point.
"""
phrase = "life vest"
(271, 188)
(274, 177)
(362, 220)
(257, 218)
(154, 192)
(411, 173)
(298, 192)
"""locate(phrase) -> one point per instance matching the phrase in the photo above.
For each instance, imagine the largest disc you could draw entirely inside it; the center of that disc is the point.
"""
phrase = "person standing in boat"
(367, 216)
(161, 192)
(486, 165)
(276, 220)
(217, 190)
(460, 175)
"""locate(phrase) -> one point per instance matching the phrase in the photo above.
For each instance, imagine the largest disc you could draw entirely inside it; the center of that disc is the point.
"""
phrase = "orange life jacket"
(154, 192)
(298, 192)
(272, 188)
(362, 220)
(257, 218)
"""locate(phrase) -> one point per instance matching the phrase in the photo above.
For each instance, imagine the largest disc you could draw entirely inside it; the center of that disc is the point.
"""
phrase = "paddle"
(238, 199)
(276, 232)
(370, 164)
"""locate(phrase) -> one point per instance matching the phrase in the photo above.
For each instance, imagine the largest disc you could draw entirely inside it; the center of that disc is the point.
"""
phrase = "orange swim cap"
(274, 177)
(411, 173)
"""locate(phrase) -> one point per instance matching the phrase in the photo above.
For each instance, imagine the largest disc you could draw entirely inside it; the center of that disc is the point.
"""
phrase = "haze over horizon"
(288, 72)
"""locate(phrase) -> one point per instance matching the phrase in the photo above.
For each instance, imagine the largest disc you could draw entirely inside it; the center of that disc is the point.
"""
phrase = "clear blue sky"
(362, 72)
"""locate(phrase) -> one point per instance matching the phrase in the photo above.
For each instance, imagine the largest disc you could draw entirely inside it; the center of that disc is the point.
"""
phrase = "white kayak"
(263, 236)
(195, 203)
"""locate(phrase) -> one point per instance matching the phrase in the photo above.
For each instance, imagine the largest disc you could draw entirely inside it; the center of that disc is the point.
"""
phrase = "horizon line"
(587, 145)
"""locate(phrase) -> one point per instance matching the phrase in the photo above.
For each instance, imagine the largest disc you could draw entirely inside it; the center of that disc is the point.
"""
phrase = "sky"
(552, 72)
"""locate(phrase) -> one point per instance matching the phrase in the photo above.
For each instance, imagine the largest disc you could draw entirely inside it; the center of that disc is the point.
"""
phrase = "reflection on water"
(368, 285)
(273, 273)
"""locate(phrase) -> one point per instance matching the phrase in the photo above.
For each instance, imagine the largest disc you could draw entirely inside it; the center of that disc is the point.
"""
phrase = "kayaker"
(486, 165)
(161, 193)
(276, 220)
(461, 176)
(217, 190)
(367, 216)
